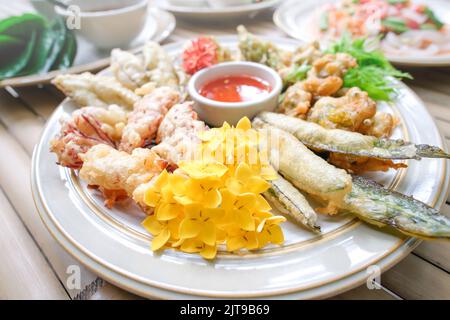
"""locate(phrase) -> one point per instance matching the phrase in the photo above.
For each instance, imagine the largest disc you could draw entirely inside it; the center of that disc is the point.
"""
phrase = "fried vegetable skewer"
(377, 205)
(345, 142)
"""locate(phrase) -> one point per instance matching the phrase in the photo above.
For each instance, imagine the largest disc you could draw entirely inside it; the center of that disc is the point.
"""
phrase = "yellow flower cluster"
(215, 200)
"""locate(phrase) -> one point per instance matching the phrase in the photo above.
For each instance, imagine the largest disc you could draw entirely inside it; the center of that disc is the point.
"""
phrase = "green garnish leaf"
(397, 25)
(430, 14)
(297, 73)
(396, 1)
(374, 73)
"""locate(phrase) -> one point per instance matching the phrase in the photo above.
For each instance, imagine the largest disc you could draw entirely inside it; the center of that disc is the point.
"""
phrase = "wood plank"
(431, 96)
(439, 111)
(42, 101)
(414, 278)
(432, 81)
(25, 126)
(437, 252)
(363, 293)
(14, 114)
(444, 127)
(15, 180)
(24, 272)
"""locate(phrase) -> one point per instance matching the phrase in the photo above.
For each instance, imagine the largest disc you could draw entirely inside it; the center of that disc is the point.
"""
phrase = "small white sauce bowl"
(107, 23)
(216, 112)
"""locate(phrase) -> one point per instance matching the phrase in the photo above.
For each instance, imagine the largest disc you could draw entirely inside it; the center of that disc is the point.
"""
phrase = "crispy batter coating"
(152, 65)
(85, 128)
(111, 169)
(359, 165)
(299, 97)
(178, 134)
(332, 65)
(347, 112)
(87, 89)
(380, 126)
(144, 120)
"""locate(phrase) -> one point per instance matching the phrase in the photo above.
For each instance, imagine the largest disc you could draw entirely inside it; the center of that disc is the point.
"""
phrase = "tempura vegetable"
(290, 202)
(152, 65)
(302, 167)
(346, 142)
(87, 89)
(257, 50)
(377, 205)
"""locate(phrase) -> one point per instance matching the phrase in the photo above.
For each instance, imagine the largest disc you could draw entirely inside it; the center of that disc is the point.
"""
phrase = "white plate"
(114, 245)
(209, 13)
(160, 24)
(294, 18)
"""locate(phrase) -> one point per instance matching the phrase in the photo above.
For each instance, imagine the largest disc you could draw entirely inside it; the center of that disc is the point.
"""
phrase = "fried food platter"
(113, 243)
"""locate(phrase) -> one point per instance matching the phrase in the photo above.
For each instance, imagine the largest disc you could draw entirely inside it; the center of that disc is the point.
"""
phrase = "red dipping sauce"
(236, 89)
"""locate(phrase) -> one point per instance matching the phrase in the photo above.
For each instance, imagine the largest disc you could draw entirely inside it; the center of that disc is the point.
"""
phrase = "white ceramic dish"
(159, 26)
(228, 3)
(108, 24)
(188, 3)
(294, 18)
(114, 245)
(214, 112)
(211, 13)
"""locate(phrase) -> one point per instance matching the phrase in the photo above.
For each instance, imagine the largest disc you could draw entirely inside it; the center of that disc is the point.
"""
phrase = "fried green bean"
(377, 205)
(346, 142)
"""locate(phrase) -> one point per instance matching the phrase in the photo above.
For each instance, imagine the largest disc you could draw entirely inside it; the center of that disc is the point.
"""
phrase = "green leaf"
(58, 31)
(430, 14)
(397, 25)
(14, 65)
(297, 73)
(67, 55)
(374, 72)
(6, 40)
(44, 43)
(22, 26)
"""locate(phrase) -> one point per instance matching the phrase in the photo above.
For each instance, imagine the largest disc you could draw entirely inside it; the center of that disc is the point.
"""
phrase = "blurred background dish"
(215, 9)
(159, 25)
(298, 19)
(102, 22)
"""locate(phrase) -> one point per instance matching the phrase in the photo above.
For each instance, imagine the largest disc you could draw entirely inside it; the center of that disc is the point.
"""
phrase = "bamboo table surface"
(34, 266)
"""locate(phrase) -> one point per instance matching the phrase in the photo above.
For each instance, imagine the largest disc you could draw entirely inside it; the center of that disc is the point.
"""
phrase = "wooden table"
(35, 267)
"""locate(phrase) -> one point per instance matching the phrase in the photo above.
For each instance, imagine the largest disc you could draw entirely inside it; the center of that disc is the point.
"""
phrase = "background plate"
(209, 13)
(113, 244)
(293, 17)
(160, 25)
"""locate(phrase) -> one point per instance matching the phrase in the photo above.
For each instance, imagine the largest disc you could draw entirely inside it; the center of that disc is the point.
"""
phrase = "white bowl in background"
(108, 23)
(216, 112)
